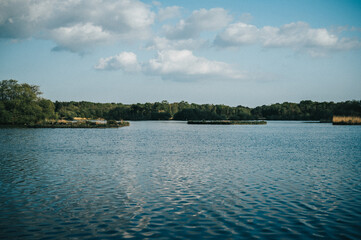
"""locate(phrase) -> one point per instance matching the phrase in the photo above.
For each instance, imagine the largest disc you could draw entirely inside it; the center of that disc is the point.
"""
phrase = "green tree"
(22, 104)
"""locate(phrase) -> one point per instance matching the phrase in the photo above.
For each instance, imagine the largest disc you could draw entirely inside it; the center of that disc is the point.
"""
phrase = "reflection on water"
(173, 180)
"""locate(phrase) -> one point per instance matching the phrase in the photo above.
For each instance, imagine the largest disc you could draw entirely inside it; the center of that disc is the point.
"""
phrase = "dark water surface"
(166, 180)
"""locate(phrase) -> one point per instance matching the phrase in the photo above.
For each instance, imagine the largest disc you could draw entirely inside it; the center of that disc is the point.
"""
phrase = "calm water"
(285, 180)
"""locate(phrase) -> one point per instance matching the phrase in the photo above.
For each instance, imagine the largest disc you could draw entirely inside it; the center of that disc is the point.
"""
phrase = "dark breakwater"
(226, 122)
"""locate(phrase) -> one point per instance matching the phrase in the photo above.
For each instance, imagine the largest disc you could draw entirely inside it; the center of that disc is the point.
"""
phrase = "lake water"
(166, 180)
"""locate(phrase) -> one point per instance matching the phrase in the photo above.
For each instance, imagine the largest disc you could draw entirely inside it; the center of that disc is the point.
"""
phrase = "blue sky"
(222, 52)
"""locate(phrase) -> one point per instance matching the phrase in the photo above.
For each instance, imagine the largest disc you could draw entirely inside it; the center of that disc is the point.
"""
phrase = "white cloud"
(179, 65)
(297, 36)
(120, 19)
(168, 12)
(348, 44)
(183, 65)
(79, 37)
(126, 61)
(238, 34)
(201, 20)
(159, 43)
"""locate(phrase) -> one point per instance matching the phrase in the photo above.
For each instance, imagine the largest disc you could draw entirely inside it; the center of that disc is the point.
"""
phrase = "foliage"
(20, 104)
(196, 114)
(305, 110)
(69, 110)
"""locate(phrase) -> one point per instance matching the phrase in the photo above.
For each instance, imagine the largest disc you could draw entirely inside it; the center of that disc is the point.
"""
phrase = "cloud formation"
(171, 65)
(298, 35)
(80, 25)
(88, 21)
(183, 65)
(201, 20)
(126, 61)
(161, 43)
(79, 37)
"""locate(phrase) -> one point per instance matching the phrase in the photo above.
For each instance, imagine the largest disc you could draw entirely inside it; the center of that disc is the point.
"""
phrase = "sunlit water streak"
(284, 180)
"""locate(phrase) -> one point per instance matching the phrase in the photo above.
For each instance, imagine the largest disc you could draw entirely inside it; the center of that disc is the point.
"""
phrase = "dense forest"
(21, 104)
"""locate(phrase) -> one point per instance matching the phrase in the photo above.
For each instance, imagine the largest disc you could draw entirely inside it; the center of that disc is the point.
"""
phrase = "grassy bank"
(346, 120)
(227, 122)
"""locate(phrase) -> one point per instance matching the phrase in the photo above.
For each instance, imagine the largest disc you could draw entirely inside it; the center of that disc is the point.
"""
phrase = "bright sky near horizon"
(242, 52)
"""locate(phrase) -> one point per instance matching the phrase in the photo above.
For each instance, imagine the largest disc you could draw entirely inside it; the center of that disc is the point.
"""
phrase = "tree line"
(22, 104)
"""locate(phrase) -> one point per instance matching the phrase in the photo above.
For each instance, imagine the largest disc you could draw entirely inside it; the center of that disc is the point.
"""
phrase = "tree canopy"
(21, 104)
(305, 110)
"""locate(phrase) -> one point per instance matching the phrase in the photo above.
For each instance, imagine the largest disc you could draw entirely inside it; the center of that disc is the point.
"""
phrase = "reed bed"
(346, 120)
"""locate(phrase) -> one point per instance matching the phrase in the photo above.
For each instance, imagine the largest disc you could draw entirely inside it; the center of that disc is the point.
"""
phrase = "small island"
(226, 122)
(80, 124)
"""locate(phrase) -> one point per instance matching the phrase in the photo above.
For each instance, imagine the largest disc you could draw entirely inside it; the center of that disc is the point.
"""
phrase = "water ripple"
(169, 180)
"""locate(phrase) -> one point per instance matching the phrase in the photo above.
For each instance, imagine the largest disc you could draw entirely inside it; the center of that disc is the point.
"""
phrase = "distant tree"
(118, 113)
(160, 116)
(196, 114)
(348, 108)
(22, 104)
